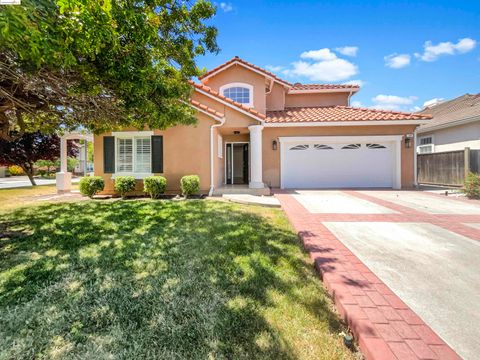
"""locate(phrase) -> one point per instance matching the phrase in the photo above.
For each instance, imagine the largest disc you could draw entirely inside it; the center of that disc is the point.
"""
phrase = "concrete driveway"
(424, 247)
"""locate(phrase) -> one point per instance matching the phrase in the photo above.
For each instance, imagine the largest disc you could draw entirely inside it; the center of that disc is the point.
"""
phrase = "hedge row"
(154, 186)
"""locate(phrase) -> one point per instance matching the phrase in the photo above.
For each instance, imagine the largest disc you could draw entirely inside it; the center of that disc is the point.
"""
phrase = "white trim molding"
(346, 123)
(396, 141)
(129, 134)
(316, 91)
(240, 85)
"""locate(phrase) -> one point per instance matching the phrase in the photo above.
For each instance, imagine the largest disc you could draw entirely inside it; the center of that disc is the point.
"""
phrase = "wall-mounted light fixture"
(408, 140)
(274, 145)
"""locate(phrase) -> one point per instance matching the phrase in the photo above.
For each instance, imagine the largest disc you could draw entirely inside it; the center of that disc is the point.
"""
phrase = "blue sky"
(403, 53)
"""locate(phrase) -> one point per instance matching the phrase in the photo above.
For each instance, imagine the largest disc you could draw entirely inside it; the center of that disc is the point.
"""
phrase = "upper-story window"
(239, 92)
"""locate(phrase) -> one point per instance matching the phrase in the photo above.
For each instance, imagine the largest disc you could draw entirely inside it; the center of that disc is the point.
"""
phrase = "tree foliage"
(28, 148)
(100, 64)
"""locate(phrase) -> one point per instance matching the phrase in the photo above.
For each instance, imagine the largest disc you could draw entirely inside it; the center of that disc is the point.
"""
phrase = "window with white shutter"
(134, 155)
(124, 155)
(143, 161)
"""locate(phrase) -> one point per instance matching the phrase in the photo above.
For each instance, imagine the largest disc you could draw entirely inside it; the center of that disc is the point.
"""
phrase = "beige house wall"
(237, 73)
(276, 98)
(271, 158)
(455, 137)
(316, 99)
(186, 151)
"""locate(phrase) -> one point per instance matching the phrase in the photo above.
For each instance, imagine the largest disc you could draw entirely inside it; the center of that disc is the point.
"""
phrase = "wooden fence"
(447, 168)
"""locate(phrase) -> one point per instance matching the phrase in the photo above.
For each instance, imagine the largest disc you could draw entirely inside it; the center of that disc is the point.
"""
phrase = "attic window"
(239, 92)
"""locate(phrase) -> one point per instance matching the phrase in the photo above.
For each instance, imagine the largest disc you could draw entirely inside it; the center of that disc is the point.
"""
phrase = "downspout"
(349, 96)
(415, 168)
(212, 155)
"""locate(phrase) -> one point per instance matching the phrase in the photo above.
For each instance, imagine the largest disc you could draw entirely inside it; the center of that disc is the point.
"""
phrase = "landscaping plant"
(154, 186)
(91, 185)
(124, 185)
(190, 185)
(27, 149)
(472, 186)
(15, 170)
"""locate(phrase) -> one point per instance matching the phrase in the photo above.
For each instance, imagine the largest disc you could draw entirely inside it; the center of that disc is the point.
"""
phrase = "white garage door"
(324, 164)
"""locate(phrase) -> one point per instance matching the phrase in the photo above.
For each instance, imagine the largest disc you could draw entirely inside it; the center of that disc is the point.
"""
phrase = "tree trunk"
(29, 171)
(32, 180)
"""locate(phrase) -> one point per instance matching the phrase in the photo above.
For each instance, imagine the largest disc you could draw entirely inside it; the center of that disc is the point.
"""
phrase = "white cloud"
(274, 68)
(433, 102)
(354, 82)
(329, 70)
(324, 54)
(397, 61)
(348, 50)
(356, 104)
(226, 7)
(393, 102)
(433, 52)
(321, 65)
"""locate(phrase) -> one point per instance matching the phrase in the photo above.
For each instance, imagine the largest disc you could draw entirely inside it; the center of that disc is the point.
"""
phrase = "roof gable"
(237, 61)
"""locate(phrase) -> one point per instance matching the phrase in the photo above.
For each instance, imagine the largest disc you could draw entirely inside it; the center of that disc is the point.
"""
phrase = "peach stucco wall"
(186, 150)
(319, 99)
(271, 158)
(237, 73)
(276, 98)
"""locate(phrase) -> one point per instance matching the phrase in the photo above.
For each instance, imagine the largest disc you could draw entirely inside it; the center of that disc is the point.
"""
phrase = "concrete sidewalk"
(13, 182)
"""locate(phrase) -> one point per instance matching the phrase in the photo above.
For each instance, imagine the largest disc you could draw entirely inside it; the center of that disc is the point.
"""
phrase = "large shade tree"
(28, 148)
(100, 64)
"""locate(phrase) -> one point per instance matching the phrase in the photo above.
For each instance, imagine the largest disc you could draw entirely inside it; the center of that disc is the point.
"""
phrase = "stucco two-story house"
(259, 131)
(455, 125)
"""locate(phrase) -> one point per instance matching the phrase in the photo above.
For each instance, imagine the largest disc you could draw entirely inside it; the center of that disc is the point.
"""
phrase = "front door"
(236, 163)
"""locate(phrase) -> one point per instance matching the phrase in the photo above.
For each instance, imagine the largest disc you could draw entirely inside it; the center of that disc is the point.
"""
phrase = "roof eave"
(434, 127)
(346, 123)
(345, 90)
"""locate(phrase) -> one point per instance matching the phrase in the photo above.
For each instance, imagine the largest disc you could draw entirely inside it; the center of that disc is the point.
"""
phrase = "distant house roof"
(338, 114)
(454, 112)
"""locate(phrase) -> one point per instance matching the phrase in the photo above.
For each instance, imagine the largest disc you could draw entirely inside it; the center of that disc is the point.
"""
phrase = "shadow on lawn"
(151, 279)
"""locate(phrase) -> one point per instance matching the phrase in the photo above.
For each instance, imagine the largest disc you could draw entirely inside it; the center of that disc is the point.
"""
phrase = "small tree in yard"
(472, 186)
(27, 149)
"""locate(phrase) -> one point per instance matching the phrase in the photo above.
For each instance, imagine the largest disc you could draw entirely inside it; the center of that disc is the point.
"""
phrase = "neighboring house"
(455, 126)
(257, 130)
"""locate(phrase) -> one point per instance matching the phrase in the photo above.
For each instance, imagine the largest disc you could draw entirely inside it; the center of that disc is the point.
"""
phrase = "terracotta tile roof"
(246, 63)
(460, 108)
(200, 106)
(338, 113)
(300, 87)
(228, 100)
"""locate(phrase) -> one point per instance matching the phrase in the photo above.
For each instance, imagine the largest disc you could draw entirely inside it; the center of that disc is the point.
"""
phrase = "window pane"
(238, 94)
(142, 155)
(125, 155)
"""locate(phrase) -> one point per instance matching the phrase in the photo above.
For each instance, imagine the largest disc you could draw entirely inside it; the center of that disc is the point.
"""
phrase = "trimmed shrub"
(91, 185)
(15, 170)
(472, 186)
(190, 185)
(124, 185)
(154, 186)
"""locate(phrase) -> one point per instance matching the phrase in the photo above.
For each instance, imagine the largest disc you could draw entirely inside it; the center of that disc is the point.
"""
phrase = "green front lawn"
(159, 279)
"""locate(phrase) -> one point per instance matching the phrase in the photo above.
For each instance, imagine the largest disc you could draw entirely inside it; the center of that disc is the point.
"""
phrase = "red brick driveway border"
(383, 325)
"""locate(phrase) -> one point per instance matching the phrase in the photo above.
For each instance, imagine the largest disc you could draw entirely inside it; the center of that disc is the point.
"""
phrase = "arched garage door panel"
(337, 165)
